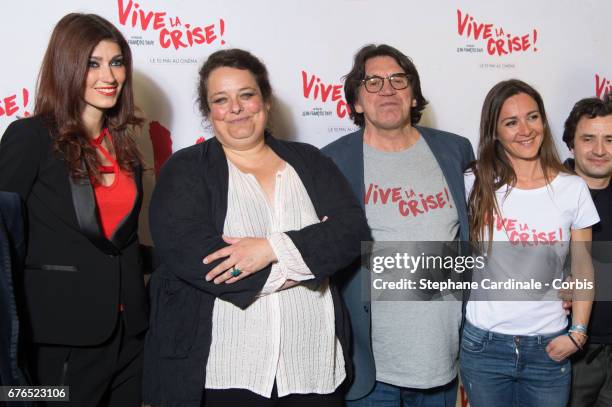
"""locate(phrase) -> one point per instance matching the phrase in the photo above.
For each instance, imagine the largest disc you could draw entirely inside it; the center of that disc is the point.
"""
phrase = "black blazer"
(187, 215)
(74, 277)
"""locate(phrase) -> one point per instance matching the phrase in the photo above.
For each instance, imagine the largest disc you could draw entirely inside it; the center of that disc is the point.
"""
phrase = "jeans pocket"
(550, 360)
(546, 357)
(557, 373)
(472, 344)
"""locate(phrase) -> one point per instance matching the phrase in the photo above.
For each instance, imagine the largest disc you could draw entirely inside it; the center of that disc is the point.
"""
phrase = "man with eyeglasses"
(404, 352)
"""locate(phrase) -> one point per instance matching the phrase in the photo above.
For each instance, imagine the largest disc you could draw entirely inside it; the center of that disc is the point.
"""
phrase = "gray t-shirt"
(415, 343)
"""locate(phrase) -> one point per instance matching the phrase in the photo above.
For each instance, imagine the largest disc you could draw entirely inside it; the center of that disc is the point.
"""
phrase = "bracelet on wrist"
(574, 341)
(578, 328)
(580, 337)
(585, 336)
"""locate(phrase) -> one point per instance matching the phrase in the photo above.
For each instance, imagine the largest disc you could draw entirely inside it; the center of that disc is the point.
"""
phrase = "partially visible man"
(404, 352)
(588, 135)
(12, 254)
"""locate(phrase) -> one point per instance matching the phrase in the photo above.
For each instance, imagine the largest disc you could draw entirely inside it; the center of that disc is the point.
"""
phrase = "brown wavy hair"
(60, 89)
(493, 169)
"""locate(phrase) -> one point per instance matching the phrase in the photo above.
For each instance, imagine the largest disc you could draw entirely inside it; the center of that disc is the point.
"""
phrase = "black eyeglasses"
(374, 84)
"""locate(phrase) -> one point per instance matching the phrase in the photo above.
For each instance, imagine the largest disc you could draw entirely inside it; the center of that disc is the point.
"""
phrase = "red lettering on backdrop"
(520, 232)
(313, 88)
(11, 104)
(177, 35)
(10, 107)
(602, 86)
(408, 203)
(161, 139)
(497, 41)
(123, 11)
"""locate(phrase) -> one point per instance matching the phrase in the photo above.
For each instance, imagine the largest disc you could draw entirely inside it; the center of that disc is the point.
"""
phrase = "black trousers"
(592, 377)
(246, 398)
(109, 374)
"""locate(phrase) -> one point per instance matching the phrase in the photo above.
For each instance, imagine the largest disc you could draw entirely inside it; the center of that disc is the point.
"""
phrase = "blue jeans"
(388, 395)
(505, 370)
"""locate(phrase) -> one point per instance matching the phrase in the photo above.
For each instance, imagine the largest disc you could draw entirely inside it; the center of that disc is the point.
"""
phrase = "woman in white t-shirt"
(516, 343)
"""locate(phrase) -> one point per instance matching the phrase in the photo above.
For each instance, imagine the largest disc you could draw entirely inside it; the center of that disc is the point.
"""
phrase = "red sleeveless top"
(114, 201)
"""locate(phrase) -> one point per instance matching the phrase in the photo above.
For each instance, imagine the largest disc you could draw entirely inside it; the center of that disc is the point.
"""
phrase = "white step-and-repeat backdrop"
(461, 49)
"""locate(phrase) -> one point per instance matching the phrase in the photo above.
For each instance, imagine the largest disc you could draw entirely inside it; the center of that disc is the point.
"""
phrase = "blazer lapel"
(452, 174)
(357, 179)
(125, 230)
(87, 215)
(349, 160)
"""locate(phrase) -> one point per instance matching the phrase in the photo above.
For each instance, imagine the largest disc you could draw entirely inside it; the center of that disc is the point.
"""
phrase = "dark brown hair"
(232, 58)
(589, 108)
(60, 89)
(352, 80)
(493, 169)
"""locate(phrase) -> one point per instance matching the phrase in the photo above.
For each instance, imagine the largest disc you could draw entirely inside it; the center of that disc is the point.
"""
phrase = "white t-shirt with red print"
(536, 225)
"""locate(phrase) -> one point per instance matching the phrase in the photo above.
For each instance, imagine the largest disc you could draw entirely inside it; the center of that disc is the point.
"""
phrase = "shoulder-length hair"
(60, 92)
(493, 169)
